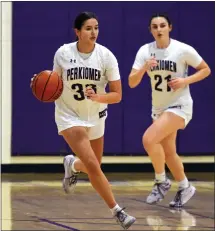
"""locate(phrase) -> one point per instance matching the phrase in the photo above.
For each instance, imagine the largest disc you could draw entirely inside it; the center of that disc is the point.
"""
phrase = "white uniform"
(173, 62)
(79, 71)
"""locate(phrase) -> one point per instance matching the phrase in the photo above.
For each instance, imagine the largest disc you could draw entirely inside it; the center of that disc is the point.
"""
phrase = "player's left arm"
(113, 96)
(191, 58)
(203, 71)
(115, 93)
(115, 87)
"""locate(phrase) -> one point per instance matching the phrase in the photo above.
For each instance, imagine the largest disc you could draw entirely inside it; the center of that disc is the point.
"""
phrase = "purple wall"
(40, 28)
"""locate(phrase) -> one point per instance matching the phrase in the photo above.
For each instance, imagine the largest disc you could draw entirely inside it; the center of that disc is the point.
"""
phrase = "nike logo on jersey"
(83, 73)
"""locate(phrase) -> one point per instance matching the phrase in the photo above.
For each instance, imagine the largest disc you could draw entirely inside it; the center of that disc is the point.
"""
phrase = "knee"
(147, 141)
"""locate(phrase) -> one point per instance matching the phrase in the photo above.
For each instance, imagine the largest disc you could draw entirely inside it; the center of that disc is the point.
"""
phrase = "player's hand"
(150, 63)
(177, 83)
(32, 79)
(90, 94)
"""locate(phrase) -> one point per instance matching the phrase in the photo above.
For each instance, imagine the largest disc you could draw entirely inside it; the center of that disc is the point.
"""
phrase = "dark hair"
(82, 17)
(160, 15)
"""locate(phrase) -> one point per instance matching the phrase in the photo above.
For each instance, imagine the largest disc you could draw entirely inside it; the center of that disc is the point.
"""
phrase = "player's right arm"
(56, 66)
(135, 77)
(140, 67)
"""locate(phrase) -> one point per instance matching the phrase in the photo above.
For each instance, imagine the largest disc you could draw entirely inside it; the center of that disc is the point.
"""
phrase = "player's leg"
(97, 146)
(165, 125)
(96, 136)
(73, 166)
(162, 127)
(78, 140)
(174, 163)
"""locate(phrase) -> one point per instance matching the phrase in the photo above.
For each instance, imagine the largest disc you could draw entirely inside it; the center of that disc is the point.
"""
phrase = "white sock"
(73, 166)
(115, 209)
(184, 183)
(160, 177)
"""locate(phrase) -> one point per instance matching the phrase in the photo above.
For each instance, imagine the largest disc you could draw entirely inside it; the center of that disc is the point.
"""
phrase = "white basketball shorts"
(94, 131)
(185, 111)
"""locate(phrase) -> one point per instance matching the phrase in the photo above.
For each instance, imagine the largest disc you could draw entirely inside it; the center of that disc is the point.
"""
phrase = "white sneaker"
(70, 178)
(124, 219)
(183, 196)
(160, 189)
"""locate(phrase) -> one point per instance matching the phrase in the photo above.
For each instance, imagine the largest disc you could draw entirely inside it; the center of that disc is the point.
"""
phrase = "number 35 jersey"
(78, 73)
(173, 62)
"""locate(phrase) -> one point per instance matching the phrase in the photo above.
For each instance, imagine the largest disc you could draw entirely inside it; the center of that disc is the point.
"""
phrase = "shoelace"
(177, 198)
(120, 215)
(157, 189)
(73, 179)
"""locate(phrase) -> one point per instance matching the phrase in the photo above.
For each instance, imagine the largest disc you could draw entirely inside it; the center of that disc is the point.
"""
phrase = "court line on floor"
(86, 218)
(95, 223)
(56, 224)
(27, 202)
(139, 224)
(162, 206)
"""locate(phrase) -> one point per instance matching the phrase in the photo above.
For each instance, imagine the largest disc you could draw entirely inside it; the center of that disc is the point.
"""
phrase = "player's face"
(89, 31)
(160, 28)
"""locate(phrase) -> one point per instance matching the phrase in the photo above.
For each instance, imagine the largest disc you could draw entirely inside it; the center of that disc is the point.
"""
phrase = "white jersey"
(79, 72)
(173, 62)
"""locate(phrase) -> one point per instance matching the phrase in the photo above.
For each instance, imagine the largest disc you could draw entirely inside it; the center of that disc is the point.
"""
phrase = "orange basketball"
(47, 86)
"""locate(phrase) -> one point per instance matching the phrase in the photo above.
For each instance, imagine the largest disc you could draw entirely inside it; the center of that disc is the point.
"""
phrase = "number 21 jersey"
(173, 62)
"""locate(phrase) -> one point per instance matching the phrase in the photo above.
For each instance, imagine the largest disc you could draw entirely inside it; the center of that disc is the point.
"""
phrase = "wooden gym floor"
(37, 202)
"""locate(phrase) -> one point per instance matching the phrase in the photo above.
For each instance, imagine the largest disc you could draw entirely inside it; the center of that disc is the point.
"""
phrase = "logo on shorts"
(103, 113)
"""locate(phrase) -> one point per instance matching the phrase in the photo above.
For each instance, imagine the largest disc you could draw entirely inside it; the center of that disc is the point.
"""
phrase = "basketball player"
(86, 68)
(166, 62)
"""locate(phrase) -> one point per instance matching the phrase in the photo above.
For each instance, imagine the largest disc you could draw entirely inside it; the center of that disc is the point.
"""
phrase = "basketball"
(47, 86)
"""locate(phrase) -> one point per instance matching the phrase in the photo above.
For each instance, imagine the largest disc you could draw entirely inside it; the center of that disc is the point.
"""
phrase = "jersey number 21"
(159, 80)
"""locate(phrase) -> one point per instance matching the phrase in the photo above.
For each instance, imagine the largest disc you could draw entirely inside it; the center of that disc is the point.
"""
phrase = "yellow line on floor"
(204, 185)
(106, 159)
